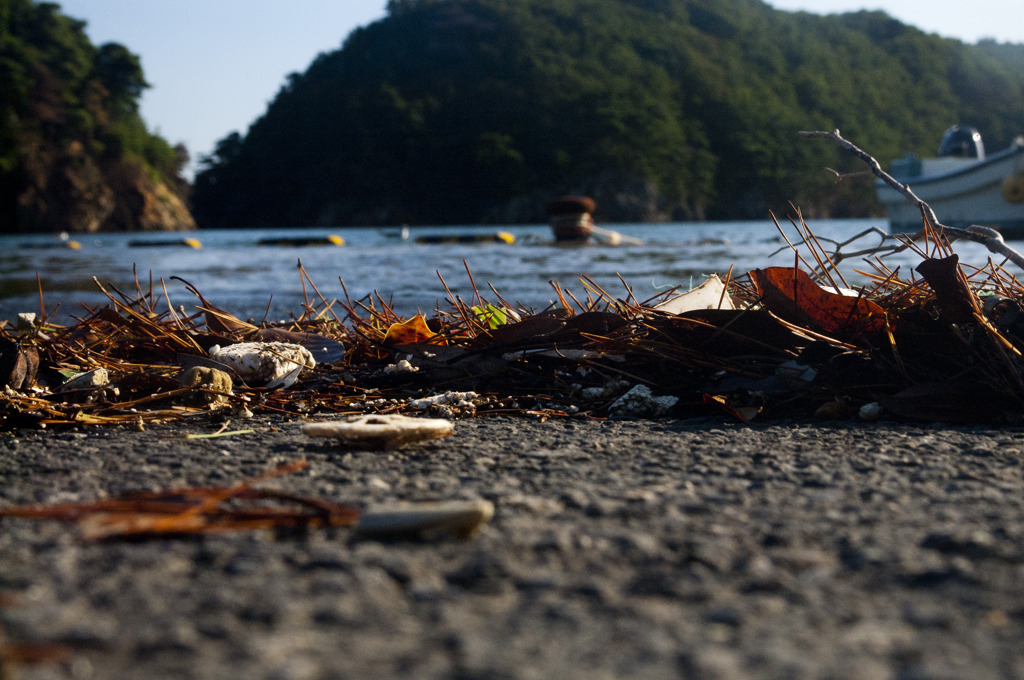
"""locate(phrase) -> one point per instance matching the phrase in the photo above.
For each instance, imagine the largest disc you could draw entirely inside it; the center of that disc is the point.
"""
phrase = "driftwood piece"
(987, 236)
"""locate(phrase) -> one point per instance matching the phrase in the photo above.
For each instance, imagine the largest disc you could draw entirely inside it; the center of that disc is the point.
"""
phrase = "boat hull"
(988, 193)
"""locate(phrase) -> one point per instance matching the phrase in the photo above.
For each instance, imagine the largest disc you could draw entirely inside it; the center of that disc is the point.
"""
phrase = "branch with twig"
(986, 236)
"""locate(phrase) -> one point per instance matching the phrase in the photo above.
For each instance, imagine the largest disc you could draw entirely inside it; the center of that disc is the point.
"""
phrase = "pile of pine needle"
(940, 343)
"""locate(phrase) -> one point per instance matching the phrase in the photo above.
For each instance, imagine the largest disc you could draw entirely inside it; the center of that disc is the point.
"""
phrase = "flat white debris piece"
(709, 295)
(274, 364)
(97, 377)
(381, 431)
(640, 402)
(460, 518)
(445, 399)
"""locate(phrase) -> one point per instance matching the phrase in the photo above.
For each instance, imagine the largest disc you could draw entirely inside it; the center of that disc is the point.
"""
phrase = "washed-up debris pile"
(941, 343)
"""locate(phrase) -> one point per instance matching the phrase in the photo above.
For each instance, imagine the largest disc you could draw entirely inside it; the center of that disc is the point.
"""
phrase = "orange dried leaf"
(409, 332)
(791, 294)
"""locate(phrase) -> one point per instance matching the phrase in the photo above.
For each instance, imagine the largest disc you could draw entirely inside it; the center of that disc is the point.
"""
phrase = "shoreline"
(647, 549)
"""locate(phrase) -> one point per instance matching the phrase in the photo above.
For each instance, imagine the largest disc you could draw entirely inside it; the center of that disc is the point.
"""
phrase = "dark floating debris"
(330, 240)
(166, 243)
(496, 237)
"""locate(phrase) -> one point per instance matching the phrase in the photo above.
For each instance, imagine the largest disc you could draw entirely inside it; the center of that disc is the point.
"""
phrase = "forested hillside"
(478, 110)
(74, 153)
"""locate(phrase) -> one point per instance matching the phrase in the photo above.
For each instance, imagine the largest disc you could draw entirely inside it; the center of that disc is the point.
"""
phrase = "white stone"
(273, 364)
(871, 412)
(640, 402)
(402, 366)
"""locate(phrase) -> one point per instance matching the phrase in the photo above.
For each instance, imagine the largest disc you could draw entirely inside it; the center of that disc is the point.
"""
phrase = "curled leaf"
(410, 332)
(791, 294)
(952, 292)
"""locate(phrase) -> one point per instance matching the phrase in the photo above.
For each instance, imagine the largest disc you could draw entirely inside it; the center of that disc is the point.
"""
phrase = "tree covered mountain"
(463, 111)
(75, 155)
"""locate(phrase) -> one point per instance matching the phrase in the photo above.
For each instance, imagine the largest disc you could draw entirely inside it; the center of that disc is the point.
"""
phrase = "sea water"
(264, 282)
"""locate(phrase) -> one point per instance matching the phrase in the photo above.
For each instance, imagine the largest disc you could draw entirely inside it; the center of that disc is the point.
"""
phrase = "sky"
(214, 65)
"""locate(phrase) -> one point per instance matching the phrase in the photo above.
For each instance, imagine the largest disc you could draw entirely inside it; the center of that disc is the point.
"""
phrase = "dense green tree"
(70, 130)
(479, 110)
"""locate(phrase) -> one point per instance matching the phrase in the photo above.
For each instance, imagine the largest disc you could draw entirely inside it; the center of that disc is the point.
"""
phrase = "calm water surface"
(244, 278)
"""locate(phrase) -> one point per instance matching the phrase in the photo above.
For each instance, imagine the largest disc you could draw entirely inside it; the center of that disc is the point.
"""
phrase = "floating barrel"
(187, 242)
(497, 237)
(570, 205)
(332, 240)
(571, 218)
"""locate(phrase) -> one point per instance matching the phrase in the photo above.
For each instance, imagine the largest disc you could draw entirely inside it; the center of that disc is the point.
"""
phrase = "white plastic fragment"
(709, 295)
(796, 371)
(460, 518)
(845, 292)
(274, 364)
(388, 431)
(640, 402)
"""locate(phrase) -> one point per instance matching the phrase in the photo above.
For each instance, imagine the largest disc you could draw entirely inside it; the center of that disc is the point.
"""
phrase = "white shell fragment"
(640, 402)
(460, 518)
(97, 377)
(381, 431)
(709, 295)
(402, 366)
(448, 404)
(443, 399)
(274, 364)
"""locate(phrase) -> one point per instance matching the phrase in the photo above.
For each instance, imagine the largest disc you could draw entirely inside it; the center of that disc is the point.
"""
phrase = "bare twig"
(986, 236)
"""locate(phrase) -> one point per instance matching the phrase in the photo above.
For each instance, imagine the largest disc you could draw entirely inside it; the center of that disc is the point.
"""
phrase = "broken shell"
(275, 364)
(381, 431)
(460, 518)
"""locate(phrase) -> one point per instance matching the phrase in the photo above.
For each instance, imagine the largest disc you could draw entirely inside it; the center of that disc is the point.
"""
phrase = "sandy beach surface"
(618, 549)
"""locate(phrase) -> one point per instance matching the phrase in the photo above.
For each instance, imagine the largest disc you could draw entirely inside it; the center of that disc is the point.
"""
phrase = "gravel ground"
(619, 549)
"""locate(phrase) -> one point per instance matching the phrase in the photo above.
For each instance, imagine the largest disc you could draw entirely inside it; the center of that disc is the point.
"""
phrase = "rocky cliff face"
(75, 195)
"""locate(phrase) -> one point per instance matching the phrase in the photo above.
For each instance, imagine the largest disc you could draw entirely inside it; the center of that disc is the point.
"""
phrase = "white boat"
(962, 185)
